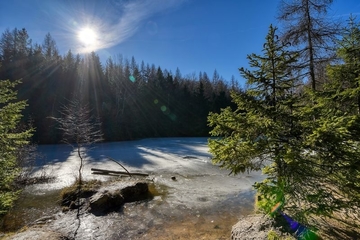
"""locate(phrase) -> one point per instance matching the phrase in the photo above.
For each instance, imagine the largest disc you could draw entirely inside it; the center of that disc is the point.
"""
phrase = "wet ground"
(203, 201)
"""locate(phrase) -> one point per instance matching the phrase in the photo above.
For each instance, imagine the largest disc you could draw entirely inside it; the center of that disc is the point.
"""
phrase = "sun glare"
(87, 36)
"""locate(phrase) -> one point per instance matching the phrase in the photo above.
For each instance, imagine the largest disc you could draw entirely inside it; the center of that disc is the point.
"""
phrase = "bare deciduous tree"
(79, 128)
(306, 27)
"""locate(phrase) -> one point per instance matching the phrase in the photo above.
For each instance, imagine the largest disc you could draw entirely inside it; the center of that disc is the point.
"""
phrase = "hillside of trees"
(131, 100)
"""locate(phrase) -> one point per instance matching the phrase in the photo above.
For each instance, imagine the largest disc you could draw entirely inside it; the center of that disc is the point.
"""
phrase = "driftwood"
(119, 164)
(110, 172)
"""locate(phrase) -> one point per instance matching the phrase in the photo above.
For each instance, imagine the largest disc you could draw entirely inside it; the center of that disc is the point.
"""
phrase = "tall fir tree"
(261, 133)
(308, 152)
(345, 76)
(335, 131)
(11, 140)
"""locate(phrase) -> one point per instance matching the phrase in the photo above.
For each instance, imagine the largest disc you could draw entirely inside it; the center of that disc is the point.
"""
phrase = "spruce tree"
(335, 137)
(345, 76)
(11, 140)
(308, 152)
(262, 132)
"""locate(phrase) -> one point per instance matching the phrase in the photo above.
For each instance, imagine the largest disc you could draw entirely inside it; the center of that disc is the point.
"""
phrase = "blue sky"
(193, 35)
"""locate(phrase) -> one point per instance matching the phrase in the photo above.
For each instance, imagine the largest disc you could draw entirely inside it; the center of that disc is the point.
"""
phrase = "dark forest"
(130, 100)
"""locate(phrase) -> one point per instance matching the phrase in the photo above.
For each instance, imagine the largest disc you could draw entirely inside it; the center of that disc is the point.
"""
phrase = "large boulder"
(256, 227)
(112, 197)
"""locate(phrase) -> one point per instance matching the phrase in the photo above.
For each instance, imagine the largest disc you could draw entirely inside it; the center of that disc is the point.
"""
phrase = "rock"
(173, 178)
(36, 234)
(255, 227)
(105, 201)
(77, 203)
(112, 197)
(44, 220)
(138, 192)
(249, 228)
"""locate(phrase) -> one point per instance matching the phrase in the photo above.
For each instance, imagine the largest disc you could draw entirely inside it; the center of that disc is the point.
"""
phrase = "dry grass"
(71, 193)
(340, 226)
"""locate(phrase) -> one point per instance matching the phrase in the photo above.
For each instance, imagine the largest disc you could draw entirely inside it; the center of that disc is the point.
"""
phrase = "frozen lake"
(187, 159)
(203, 200)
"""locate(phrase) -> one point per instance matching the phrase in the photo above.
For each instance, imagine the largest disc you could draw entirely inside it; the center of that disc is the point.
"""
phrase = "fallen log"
(119, 164)
(110, 174)
(104, 171)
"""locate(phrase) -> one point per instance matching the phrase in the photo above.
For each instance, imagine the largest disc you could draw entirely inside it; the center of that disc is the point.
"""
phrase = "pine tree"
(261, 133)
(15, 48)
(11, 140)
(335, 131)
(345, 76)
(309, 152)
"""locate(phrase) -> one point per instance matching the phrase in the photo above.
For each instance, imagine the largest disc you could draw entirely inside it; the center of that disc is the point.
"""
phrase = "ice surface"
(198, 181)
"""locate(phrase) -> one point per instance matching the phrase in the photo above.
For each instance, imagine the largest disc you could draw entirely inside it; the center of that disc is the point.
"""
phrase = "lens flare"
(300, 231)
(276, 207)
(132, 78)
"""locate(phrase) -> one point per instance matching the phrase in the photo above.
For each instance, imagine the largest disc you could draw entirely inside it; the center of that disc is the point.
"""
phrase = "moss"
(272, 235)
(77, 190)
(157, 190)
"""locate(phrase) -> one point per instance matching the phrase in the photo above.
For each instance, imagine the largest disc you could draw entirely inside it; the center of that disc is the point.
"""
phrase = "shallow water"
(29, 208)
(159, 218)
(203, 201)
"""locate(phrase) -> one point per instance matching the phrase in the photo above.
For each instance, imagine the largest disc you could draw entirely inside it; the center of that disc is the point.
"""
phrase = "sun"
(87, 36)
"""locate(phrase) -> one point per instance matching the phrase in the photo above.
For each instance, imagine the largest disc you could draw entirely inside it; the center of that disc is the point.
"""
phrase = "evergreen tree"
(309, 152)
(11, 140)
(15, 48)
(7, 47)
(345, 76)
(129, 100)
(50, 50)
(264, 110)
(262, 133)
(336, 129)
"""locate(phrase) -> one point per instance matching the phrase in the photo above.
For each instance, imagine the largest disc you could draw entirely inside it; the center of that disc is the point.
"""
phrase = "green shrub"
(7, 200)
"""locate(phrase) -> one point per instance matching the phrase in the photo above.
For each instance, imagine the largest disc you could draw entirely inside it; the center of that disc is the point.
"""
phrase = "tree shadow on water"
(124, 152)
(51, 154)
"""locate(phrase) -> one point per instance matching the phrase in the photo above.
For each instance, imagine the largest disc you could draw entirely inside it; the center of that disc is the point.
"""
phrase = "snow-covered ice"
(198, 181)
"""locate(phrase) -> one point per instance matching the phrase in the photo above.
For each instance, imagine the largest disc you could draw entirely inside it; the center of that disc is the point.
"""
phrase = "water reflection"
(29, 208)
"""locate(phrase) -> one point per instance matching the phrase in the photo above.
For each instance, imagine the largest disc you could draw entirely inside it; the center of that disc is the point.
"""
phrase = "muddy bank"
(256, 227)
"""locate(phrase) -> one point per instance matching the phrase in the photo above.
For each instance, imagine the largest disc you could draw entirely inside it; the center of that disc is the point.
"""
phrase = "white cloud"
(113, 21)
(131, 15)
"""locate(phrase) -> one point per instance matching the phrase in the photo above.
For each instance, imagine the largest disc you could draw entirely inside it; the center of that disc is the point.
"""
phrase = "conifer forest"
(296, 118)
